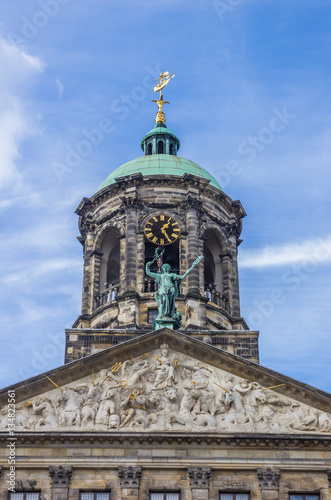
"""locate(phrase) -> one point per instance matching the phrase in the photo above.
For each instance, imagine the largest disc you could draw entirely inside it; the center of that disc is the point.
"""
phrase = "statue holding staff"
(168, 288)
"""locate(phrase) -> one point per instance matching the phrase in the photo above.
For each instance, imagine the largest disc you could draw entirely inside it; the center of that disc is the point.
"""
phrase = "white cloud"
(40, 269)
(317, 250)
(60, 87)
(16, 124)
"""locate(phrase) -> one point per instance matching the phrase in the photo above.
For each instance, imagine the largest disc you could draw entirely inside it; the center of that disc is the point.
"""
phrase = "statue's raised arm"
(195, 263)
(157, 255)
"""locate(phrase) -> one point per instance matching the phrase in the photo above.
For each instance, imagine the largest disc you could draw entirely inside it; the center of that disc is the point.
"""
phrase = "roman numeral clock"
(162, 229)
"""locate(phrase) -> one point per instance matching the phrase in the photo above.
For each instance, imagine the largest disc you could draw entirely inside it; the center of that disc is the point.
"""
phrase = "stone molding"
(60, 476)
(129, 476)
(242, 440)
(269, 478)
(199, 477)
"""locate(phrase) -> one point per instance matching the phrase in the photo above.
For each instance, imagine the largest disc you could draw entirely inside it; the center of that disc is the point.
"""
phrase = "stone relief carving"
(129, 476)
(166, 391)
(269, 478)
(199, 477)
(60, 476)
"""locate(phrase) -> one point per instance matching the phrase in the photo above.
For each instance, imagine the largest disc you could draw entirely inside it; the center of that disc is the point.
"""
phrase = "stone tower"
(118, 300)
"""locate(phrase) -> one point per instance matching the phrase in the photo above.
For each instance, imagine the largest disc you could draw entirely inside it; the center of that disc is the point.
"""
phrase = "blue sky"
(250, 103)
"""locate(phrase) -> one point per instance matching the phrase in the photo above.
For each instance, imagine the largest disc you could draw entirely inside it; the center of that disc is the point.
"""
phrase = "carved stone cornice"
(129, 476)
(237, 440)
(268, 478)
(60, 476)
(199, 477)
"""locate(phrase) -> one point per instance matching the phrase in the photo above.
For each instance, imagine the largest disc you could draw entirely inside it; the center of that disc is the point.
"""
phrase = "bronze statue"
(168, 290)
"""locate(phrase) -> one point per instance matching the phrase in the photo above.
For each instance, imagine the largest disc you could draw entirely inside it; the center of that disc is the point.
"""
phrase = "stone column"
(128, 305)
(167, 146)
(130, 481)
(193, 247)
(60, 482)
(97, 284)
(269, 483)
(87, 299)
(131, 250)
(199, 482)
(234, 277)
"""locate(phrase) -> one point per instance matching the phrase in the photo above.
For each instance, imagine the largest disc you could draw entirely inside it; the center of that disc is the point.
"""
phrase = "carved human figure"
(48, 412)
(164, 371)
(133, 375)
(233, 396)
(324, 422)
(69, 416)
(3, 417)
(106, 408)
(201, 379)
(189, 403)
(90, 407)
(168, 288)
(107, 380)
(133, 404)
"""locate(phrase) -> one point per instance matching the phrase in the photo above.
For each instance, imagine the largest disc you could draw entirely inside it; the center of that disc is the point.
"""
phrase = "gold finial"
(163, 81)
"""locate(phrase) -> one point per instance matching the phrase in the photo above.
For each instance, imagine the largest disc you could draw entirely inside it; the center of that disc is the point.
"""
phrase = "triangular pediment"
(167, 381)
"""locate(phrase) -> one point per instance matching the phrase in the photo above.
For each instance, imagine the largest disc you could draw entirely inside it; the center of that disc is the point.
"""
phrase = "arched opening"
(110, 260)
(149, 149)
(213, 275)
(171, 149)
(160, 147)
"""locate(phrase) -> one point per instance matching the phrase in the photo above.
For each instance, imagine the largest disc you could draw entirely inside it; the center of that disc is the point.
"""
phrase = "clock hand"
(165, 234)
(165, 225)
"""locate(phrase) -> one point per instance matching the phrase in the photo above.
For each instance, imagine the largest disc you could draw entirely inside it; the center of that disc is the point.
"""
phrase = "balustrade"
(108, 295)
(217, 297)
(150, 286)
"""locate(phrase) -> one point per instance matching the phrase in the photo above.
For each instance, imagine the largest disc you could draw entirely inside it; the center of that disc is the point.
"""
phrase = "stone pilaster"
(328, 475)
(199, 482)
(87, 299)
(193, 245)
(269, 483)
(131, 250)
(130, 481)
(234, 277)
(60, 481)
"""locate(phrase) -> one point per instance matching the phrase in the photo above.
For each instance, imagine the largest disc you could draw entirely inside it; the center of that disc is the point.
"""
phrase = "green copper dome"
(160, 164)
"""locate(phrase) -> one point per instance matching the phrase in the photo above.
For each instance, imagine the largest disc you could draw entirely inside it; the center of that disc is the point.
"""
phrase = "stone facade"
(158, 418)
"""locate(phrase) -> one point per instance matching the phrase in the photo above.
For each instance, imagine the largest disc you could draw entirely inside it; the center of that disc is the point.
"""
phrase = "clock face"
(162, 229)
